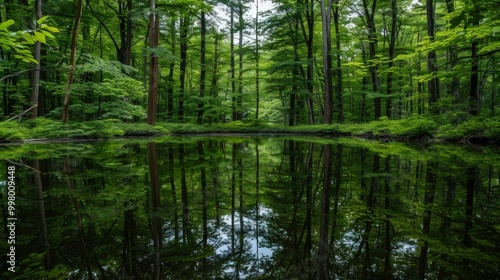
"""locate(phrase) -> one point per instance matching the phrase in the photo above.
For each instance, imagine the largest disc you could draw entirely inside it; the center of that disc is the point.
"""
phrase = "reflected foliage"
(253, 208)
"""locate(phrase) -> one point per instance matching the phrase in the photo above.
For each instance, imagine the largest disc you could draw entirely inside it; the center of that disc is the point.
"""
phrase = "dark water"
(251, 208)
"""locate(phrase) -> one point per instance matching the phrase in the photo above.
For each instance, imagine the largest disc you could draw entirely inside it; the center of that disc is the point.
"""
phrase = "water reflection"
(268, 208)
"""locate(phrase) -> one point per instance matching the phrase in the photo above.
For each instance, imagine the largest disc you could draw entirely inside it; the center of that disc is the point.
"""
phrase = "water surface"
(252, 208)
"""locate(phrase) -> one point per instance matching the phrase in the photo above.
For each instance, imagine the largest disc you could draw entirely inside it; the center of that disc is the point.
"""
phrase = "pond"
(249, 208)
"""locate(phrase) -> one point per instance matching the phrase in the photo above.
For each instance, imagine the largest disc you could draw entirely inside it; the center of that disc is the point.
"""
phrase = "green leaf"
(42, 19)
(49, 28)
(5, 25)
(40, 37)
(48, 34)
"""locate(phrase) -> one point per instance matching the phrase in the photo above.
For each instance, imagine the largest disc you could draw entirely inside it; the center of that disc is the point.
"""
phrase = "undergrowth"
(446, 128)
(43, 128)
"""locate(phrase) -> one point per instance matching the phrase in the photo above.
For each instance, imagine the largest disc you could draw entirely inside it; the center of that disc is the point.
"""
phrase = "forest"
(429, 67)
(286, 139)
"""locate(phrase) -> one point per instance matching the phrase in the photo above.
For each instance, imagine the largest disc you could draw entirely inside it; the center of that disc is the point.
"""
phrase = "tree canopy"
(220, 61)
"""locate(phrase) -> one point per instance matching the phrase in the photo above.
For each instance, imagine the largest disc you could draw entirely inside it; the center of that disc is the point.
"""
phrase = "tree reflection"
(278, 208)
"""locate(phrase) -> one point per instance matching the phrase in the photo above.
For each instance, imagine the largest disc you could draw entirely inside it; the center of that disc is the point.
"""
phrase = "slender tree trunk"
(372, 46)
(257, 97)
(474, 77)
(76, 24)
(170, 92)
(239, 99)
(338, 184)
(41, 214)
(339, 88)
(125, 23)
(202, 70)
(213, 84)
(36, 67)
(156, 220)
(472, 173)
(387, 222)
(233, 82)
(433, 84)
(291, 118)
(186, 233)
(154, 27)
(494, 89)
(426, 223)
(79, 224)
(453, 60)
(323, 259)
(309, 12)
(392, 43)
(326, 16)
(184, 22)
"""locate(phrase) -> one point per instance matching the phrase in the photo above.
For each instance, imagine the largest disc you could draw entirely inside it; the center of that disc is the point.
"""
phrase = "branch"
(21, 163)
(15, 74)
(22, 114)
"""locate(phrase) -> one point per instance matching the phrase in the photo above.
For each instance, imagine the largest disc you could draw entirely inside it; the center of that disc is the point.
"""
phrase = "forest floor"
(472, 130)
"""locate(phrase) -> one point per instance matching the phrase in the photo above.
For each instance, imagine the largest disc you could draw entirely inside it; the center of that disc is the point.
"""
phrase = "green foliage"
(19, 41)
(32, 268)
(11, 131)
(474, 127)
(116, 96)
(43, 128)
(414, 127)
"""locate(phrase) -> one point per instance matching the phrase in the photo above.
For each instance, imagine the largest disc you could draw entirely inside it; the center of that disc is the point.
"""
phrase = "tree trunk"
(453, 60)
(202, 70)
(78, 17)
(326, 16)
(430, 181)
(184, 22)
(372, 46)
(125, 16)
(433, 84)
(308, 38)
(213, 83)
(36, 67)
(233, 82)
(239, 99)
(323, 259)
(170, 92)
(153, 64)
(474, 77)
(392, 43)
(339, 88)
(257, 97)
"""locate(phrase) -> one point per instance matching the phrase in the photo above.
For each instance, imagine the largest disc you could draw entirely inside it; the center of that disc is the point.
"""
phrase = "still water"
(250, 208)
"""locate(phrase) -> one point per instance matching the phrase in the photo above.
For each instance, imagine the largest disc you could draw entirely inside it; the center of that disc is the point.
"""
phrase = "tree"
(36, 68)
(474, 75)
(154, 26)
(392, 44)
(338, 69)
(74, 38)
(369, 15)
(202, 70)
(326, 16)
(257, 97)
(433, 83)
(184, 24)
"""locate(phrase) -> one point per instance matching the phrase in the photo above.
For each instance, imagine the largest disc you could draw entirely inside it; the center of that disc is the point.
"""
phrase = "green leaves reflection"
(279, 208)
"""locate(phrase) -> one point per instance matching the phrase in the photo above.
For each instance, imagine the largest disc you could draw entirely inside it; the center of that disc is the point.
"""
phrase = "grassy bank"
(42, 128)
(473, 130)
